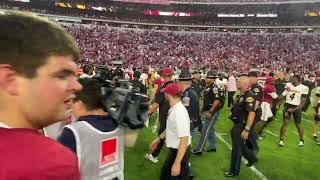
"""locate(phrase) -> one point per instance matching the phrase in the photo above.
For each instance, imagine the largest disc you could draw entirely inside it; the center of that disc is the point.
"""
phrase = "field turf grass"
(275, 163)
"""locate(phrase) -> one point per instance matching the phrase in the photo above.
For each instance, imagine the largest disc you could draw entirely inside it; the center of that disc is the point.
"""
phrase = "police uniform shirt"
(101, 123)
(197, 86)
(293, 93)
(163, 105)
(211, 93)
(257, 91)
(190, 100)
(178, 126)
(244, 104)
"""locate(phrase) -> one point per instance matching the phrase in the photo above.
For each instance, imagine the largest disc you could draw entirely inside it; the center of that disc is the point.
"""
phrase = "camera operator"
(96, 138)
(37, 86)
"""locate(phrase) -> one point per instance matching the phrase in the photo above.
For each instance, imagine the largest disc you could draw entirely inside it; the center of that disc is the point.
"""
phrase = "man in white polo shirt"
(177, 135)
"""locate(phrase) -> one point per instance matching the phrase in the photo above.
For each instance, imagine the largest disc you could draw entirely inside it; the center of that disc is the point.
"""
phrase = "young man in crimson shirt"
(269, 94)
(37, 87)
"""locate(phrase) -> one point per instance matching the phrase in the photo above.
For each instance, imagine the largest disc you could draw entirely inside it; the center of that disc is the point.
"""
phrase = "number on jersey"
(292, 96)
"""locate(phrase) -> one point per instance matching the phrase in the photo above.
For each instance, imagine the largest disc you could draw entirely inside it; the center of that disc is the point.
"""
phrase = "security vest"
(100, 154)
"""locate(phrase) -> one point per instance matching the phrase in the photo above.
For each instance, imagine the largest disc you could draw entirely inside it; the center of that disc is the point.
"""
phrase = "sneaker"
(281, 143)
(260, 137)
(301, 143)
(151, 158)
(230, 174)
(315, 138)
(195, 152)
(250, 163)
(211, 150)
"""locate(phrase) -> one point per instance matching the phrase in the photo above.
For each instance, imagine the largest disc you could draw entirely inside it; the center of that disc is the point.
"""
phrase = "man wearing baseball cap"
(177, 135)
(163, 105)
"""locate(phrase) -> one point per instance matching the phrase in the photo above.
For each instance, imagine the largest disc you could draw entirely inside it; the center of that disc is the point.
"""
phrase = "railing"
(80, 19)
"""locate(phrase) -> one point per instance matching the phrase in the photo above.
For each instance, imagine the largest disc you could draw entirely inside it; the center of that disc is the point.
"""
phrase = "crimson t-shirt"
(266, 90)
(27, 155)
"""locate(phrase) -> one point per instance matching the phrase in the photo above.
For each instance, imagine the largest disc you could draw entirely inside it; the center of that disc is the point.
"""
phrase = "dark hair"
(90, 94)
(87, 68)
(297, 77)
(26, 42)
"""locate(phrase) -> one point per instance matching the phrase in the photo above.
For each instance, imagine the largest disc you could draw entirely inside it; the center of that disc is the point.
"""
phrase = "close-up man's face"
(48, 96)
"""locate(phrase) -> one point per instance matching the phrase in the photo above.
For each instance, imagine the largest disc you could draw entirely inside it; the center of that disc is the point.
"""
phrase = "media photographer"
(99, 135)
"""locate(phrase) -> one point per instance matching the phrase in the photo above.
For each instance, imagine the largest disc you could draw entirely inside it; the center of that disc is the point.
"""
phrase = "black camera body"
(126, 106)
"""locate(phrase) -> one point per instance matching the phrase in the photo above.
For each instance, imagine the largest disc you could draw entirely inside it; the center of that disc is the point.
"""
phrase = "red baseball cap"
(172, 89)
(167, 72)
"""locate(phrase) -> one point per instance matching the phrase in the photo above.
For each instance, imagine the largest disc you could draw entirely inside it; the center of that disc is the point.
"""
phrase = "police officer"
(242, 115)
(198, 86)
(96, 138)
(190, 100)
(256, 88)
(213, 101)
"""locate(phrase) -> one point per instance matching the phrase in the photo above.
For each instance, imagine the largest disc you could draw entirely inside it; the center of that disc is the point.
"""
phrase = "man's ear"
(8, 79)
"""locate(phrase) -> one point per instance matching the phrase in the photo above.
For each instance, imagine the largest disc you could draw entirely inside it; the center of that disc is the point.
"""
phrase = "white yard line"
(221, 134)
(273, 134)
(255, 170)
(304, 119)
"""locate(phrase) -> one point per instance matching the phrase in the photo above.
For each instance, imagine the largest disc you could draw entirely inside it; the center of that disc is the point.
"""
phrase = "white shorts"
(266, 111)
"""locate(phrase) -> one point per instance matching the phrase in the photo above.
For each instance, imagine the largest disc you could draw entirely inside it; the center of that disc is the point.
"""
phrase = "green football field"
(276, 163)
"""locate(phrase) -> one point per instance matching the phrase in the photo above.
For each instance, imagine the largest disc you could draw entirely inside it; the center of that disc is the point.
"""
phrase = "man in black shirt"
(310, 83)
(280, 84)
(242, 115)
(163, 105)
(198, 86)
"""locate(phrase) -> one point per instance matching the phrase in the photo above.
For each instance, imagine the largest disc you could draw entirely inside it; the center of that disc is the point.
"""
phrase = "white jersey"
(294, 93)
(318, 91)
(222, 83)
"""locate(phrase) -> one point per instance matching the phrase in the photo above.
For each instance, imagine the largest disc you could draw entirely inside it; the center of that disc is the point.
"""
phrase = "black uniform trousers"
(166, 168)
(230, 98)
(306, 105)
(239, 149)
(252, 140)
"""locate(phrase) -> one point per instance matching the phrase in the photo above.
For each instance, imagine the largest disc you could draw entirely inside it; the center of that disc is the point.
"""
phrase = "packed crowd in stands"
(226, 51)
